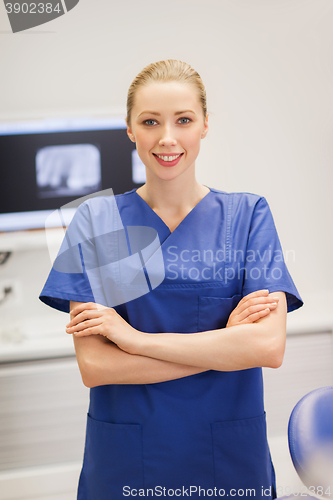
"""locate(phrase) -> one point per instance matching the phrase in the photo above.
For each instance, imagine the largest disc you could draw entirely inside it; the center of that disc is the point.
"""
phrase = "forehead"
(166, 96)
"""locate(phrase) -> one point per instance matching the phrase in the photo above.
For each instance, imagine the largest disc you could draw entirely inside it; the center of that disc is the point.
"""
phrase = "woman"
(175, 414)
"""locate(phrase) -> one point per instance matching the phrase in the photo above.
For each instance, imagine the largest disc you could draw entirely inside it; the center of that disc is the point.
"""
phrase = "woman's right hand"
(253, 307)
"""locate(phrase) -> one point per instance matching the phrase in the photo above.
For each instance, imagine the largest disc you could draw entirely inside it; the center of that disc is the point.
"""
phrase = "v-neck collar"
(183, 220)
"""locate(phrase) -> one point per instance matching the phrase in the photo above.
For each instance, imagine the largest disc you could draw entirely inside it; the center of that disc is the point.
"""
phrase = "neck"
(174, 196)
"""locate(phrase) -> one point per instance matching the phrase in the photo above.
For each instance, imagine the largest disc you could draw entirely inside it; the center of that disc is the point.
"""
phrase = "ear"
(206, 128)
(130, 135)
(129, 132)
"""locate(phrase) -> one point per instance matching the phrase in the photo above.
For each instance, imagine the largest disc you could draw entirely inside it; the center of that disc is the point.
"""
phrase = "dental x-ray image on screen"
(48, 163)
(68, 170)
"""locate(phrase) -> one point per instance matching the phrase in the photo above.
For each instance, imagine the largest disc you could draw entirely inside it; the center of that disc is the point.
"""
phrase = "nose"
(167, 137)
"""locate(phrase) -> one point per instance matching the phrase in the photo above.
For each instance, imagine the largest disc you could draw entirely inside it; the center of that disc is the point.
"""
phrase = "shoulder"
(244, 211)
(240, 200)
(102, 212)
(97, 205)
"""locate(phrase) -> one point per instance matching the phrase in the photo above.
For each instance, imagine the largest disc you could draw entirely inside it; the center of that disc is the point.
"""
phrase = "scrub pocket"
(242, 459)
(112, 460)
(214, 312)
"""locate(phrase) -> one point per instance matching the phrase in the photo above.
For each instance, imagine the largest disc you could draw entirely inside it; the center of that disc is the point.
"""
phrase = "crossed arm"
(110, 351)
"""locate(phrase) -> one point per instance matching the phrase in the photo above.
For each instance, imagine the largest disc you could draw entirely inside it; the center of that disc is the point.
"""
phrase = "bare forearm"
(136, 357)
(235, 348)
(103, 363)
(228, 349)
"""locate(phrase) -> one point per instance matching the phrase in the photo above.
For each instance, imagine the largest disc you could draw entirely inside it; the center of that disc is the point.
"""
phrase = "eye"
(188, 120)
(149, 122)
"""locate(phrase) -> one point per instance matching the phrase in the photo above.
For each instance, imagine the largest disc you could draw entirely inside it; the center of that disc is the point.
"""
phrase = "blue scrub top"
(203, 431)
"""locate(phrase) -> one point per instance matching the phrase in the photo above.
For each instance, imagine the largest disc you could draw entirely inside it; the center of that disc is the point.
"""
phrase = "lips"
(168, 157)
(168, 160)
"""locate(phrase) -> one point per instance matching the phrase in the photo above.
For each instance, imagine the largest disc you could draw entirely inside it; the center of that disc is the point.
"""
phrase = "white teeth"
(168, 158)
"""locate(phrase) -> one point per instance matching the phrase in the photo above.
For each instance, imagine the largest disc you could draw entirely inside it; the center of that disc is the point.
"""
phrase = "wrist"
(141, 342)
(135, 342)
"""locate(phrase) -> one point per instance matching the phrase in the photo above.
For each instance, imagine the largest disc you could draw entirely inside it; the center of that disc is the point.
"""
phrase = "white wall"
(268, 70)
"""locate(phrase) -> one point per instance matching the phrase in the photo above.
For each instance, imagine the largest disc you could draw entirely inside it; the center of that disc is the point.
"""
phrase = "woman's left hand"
(95, 319)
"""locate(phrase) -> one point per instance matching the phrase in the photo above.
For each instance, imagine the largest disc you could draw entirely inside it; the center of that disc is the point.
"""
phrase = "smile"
(168, 158)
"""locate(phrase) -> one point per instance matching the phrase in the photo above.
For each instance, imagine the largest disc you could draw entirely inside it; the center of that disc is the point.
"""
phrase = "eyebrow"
(158, 114)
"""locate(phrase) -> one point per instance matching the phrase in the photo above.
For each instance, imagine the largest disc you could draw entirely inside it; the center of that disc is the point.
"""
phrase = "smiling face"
(167, 125)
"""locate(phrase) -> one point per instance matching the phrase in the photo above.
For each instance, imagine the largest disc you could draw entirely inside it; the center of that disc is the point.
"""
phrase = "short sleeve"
(68, 279)
(265, 267)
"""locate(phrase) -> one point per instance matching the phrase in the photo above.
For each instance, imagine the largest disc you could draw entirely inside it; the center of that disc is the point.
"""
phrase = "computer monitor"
(46, 164)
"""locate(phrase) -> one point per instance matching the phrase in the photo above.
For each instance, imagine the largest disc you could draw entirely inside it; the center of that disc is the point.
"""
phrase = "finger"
(252, 318)
(256, 309)
(84, 316)
(257, 293)
(85, 305)
(256, 301)
(260, 298)
(252, 295)
(93, 330)
(85, 325)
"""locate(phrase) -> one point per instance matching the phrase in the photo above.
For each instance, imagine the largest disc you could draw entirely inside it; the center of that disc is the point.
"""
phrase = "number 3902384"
(303, 491)
(32, 8)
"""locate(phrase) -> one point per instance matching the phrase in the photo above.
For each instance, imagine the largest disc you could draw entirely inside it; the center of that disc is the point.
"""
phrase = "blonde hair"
(166, 71)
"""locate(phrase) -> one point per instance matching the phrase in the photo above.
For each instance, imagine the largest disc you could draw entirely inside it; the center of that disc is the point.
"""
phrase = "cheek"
(143, 142)
(194, 141)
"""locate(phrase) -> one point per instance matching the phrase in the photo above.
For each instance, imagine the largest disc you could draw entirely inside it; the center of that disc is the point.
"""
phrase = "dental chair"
(310, 435)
